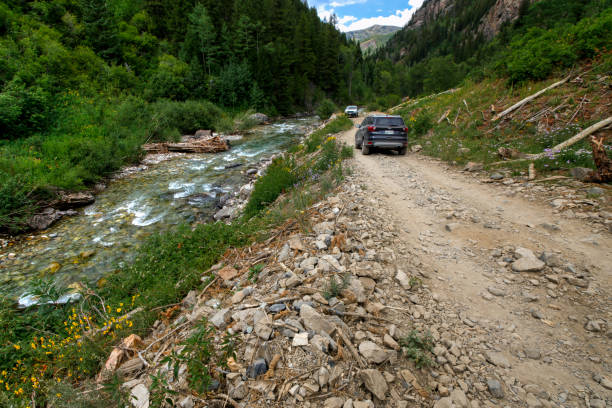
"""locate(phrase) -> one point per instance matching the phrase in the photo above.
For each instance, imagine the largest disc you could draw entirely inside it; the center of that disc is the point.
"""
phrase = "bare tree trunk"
(603, 174)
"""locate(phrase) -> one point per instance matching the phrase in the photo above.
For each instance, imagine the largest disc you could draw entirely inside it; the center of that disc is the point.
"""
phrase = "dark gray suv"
(382, 131)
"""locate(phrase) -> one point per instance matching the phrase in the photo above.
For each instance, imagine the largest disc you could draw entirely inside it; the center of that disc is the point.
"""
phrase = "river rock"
(74, 200)
(497, 359)
(221, 318)
(44, 219)
(374, 382)
(333, 402)
(259, 118)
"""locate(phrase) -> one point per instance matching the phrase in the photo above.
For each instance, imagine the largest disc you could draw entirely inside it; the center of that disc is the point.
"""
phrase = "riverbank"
(168, 266)
(91, 141)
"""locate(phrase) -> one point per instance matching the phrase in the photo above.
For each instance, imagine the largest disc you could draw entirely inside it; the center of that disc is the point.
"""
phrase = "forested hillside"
(83, 83)
(449, 40)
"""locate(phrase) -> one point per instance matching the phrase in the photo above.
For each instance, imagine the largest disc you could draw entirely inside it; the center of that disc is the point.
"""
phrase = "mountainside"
(370, 32)
(373, 37)
(446, 40)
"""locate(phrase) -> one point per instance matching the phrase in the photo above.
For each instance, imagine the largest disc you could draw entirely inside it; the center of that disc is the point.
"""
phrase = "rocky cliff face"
(501, 12)
(429, 11)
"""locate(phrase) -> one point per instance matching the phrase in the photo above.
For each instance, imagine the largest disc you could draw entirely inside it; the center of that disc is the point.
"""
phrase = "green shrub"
(278, 178)
(326, 108)
(418, 348)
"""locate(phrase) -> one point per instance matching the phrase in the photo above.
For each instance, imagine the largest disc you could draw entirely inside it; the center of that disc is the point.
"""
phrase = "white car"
(351, 111)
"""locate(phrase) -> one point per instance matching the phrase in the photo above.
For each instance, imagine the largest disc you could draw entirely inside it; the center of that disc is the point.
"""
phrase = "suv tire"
(365, 150)
(402, 151)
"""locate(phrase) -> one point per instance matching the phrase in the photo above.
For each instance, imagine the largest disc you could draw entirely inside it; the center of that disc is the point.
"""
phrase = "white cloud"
(400, 18)
(342, 3)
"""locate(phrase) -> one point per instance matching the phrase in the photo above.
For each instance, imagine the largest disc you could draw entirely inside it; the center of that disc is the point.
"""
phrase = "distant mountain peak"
(374, 36)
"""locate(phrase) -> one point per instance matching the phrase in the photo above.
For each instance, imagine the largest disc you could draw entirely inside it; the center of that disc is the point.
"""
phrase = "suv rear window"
(389, 122)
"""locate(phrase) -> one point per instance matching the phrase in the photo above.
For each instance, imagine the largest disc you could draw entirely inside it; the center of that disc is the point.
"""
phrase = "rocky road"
(545, 317)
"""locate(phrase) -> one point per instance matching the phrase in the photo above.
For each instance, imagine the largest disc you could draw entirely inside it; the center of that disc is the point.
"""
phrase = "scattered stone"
(300, 339)
(495, 388)
(238, 391)
(496, 291)
(445, 402)
(315, 321)
(459, 399)
(221, 318)
(139, 397)
(403, 279)
(390, 342)
(372, 352)
(497, 359)
(528, 264)
(452, 226)
(497, 176)
(580, 173)
(228, 273)
(333, 402)
(258, 368)
(416, 148)
(472, 166)
(374, 382)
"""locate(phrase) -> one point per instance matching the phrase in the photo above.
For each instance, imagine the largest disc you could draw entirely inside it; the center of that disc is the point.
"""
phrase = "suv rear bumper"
(387, 145)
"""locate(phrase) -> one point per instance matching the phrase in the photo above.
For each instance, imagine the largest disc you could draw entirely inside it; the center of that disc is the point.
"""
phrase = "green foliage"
(335, 286)
(279, 177)
(418, 348)
(197, 354)
(326, 108)
(254, 272)
(548, 35)
(538, 52)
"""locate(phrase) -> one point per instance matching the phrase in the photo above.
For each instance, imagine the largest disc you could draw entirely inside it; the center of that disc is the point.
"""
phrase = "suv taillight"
(406, 129)
(371, 128)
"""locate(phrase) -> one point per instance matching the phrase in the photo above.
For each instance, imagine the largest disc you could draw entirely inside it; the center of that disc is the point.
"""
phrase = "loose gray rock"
(258, 368)
(496, 291)
(374, 382)
(495, 388)
(497, 176)
(315, 321)
(497, 359)
(372, 352)
(221, 318)
(333, 402)
(527, 264)
(139, 397)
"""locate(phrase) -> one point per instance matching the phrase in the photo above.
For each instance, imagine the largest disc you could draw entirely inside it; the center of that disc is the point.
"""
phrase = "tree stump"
(603, 174)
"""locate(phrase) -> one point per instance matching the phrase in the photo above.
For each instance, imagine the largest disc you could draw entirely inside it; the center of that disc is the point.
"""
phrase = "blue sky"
(360, 14)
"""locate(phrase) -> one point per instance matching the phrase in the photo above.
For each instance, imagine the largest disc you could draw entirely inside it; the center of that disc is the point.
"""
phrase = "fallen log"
(213, 144)
(575, 139)
(569, 142)
(530, 98)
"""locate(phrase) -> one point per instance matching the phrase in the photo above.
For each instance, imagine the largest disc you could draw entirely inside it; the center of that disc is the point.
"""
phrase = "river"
(108, 233)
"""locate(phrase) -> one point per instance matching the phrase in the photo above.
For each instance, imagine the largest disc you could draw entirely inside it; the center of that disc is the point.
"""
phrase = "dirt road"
(549, 328)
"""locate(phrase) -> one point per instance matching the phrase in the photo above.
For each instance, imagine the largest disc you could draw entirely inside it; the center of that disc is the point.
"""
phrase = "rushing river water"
(107, 233)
